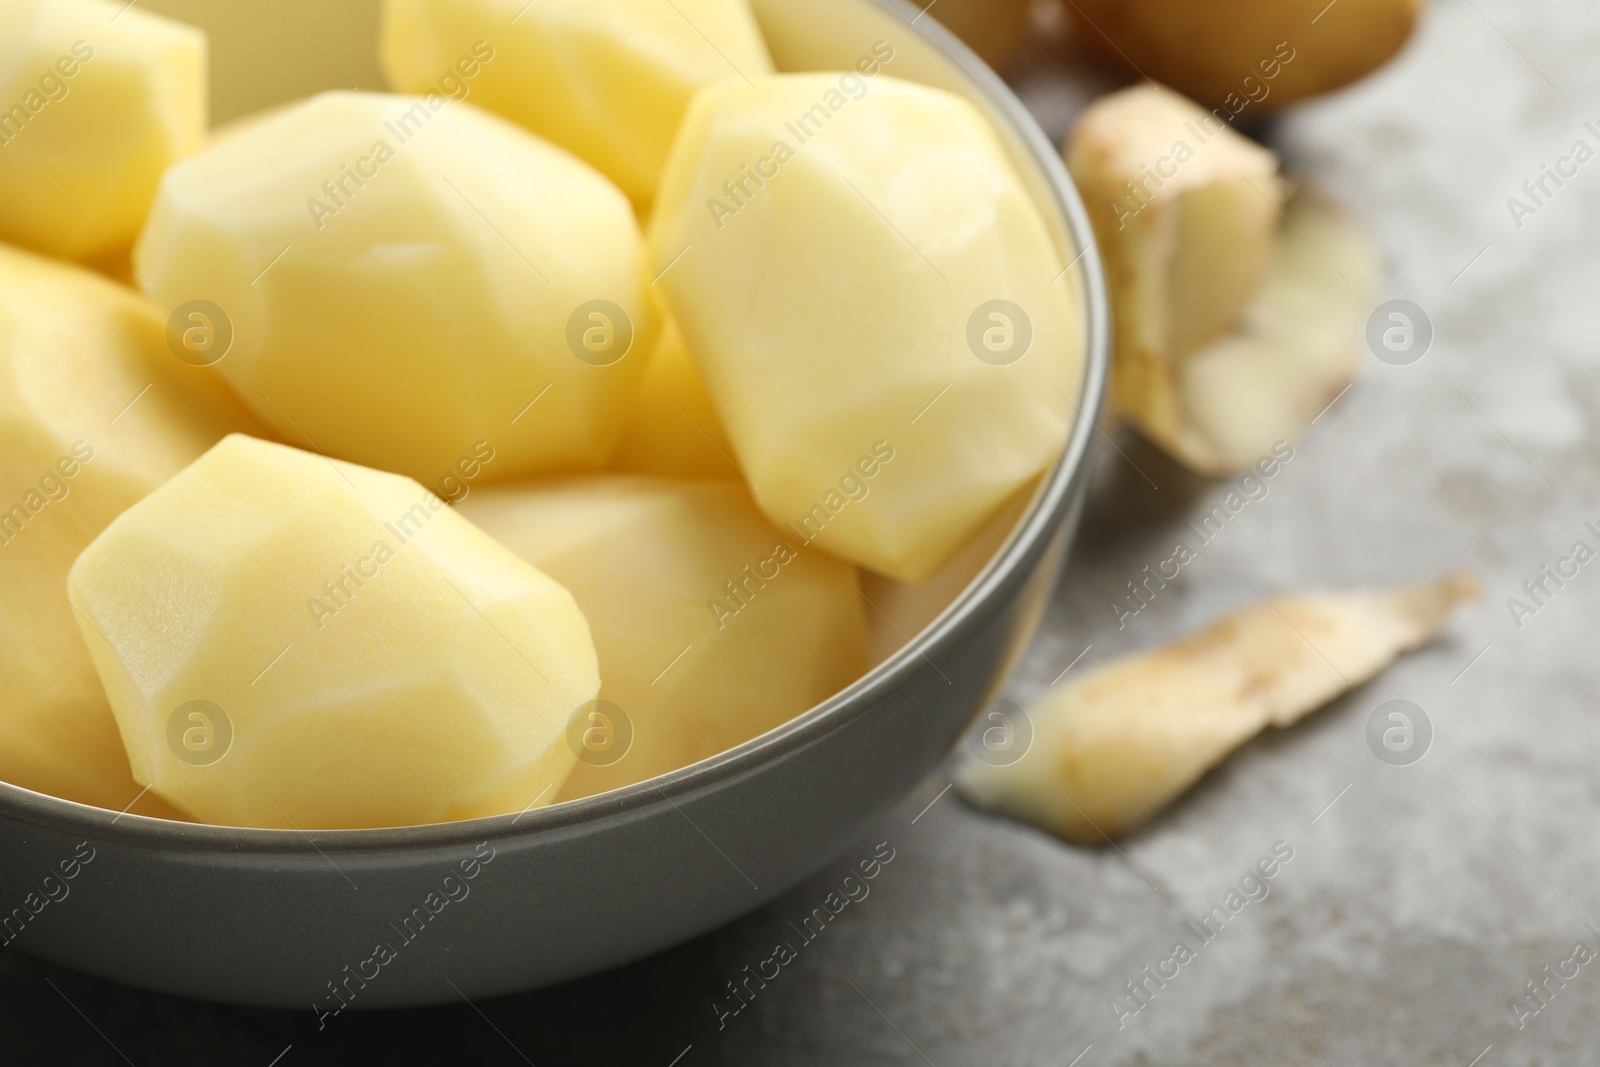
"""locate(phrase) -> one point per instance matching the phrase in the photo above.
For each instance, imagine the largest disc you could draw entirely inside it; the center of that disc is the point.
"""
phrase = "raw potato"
(1255, 54)
(1238, 315)
(655, 564)
(991, 28)
(92, 111)
(896, 612)
(365, 656)
(95, 412)
(840, 309)
(1122, 742)
(400, 289)
(609, 80)
(674, 429)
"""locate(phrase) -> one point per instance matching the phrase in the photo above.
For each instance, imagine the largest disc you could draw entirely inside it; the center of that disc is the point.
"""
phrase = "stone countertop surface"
(1419, 899)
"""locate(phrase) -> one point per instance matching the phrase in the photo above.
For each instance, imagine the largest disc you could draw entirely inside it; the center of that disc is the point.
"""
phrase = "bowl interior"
(809, 35)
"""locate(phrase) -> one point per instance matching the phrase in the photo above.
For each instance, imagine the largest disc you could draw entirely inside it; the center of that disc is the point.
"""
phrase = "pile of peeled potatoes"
(598, 398)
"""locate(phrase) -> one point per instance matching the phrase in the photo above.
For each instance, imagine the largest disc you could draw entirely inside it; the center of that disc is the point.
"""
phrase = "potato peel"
(1114, 748)
(1239, 303)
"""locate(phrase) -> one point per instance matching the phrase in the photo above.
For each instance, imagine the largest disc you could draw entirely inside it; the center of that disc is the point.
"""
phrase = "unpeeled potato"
(1249, 54)
(991, 28)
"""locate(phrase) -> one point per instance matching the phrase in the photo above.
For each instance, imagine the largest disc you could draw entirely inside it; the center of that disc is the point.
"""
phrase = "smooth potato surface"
(293, 641)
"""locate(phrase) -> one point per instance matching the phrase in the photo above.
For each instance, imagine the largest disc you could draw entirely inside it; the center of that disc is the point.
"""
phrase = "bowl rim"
(1032, 532)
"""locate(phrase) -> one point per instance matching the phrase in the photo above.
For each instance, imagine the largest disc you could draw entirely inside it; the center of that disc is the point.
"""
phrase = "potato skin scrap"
(1239, 303)
(1117, 746)
(1154, 169)
(1297, 346)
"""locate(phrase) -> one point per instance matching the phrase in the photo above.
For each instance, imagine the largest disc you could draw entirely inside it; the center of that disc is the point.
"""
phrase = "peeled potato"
(606, 79)
(876, 305)
(674, 429)
(898, 612)
(1238, 312)
(97, 99)
(1257, 54)
(95, 412)
(400, 287)
(289, 640)
(1123, 741)
(711, 626)
(991, 28)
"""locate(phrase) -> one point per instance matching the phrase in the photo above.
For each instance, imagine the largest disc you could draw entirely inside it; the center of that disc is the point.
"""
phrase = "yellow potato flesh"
(711, 626)
(897, 613)
(835, 243)
(606, 79)
(366, 656)
(92, 111)
(95, 412)
(674, 429)
(437, 305)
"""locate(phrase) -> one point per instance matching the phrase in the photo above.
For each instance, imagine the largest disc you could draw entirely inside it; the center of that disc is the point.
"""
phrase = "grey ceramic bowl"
(271, 917)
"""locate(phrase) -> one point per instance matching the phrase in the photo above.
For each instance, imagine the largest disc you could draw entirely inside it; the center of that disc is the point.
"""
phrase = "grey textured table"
(1415, 906)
